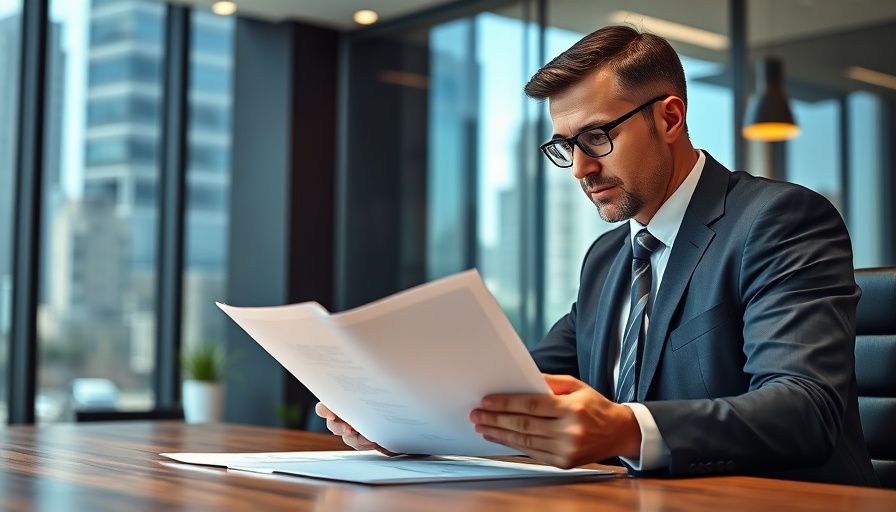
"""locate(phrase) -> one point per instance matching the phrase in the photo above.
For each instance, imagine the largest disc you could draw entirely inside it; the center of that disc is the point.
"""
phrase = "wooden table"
(116, 466)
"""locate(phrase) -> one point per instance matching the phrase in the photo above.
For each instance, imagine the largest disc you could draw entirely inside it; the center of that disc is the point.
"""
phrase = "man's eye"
(595, 138)
(563, 146)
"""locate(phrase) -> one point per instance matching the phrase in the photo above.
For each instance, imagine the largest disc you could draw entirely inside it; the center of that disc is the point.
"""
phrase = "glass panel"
(208, 177)
(96, 313)
(867, 114)
(841, 101)
(814, 158)
(477, 151)
(10, 48)
(452, 117)
(571, 221)
(507, 162)
(491, 201)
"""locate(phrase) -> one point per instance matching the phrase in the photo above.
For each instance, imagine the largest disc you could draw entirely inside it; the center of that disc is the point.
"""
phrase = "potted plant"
(202, 393)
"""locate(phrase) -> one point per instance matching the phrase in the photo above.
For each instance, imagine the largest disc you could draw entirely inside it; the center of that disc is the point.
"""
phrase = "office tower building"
(98, 318)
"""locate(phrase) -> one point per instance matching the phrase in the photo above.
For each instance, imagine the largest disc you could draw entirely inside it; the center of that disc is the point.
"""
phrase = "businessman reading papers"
(713, 333)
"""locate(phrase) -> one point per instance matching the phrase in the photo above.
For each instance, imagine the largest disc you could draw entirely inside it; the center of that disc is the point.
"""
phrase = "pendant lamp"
(768, 115)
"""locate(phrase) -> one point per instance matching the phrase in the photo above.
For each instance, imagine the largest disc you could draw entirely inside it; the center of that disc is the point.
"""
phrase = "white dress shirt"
(664, 226)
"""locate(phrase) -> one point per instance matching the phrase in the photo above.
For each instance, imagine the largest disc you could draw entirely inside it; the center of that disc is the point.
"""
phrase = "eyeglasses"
(594, 142)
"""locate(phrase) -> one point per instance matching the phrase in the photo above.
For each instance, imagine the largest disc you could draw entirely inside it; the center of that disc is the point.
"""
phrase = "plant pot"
(203, 401)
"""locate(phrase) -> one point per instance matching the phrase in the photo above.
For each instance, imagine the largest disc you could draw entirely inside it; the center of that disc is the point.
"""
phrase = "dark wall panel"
(383, 192)
(281, 196)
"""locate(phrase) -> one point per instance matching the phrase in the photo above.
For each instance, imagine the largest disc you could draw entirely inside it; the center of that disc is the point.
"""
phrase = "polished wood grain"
(116, 466)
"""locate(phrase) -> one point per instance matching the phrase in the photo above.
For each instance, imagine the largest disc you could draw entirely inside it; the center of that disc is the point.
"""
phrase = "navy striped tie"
(644, 245)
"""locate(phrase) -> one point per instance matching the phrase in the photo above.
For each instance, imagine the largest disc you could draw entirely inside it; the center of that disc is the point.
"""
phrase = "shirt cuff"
(654, 452)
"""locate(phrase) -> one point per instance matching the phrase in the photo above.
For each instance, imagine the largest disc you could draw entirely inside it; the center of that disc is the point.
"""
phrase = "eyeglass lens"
(595, 143)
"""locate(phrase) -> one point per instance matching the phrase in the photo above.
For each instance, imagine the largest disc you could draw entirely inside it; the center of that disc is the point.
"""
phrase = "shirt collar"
(665, 223)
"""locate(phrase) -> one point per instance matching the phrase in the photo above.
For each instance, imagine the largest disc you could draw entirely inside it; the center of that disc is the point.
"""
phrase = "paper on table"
(375, 468)
(405, 371)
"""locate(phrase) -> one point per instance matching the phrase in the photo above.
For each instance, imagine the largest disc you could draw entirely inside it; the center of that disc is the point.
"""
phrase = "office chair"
(876, 367)
(88, 415)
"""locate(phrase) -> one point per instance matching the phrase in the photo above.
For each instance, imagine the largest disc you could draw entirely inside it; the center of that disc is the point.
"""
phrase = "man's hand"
(574, 426)
(350, 436)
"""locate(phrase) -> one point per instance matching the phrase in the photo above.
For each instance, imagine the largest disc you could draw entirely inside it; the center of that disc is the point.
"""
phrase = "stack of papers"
(404, 371)
(375, 468)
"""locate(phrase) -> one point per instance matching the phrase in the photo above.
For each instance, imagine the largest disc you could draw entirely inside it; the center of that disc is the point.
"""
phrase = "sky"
(8, 7)
(73, 17)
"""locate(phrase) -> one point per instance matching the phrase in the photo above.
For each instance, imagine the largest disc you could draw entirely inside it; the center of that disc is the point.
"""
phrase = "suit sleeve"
(556, 352)
(798, 296)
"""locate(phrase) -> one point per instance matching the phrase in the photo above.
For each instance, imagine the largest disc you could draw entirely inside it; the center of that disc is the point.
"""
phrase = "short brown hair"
(644, 64)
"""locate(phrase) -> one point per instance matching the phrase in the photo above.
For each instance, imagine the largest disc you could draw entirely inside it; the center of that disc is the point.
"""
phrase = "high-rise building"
(121, 153)
(98, 318)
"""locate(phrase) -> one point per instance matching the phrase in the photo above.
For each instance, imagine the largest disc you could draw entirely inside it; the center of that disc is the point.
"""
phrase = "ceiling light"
(366, 17)
(870, 76)
(224, 8)
(672, 30)
(768, 116)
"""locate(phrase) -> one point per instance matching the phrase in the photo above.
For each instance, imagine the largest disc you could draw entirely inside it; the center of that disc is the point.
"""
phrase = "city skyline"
(96, 311)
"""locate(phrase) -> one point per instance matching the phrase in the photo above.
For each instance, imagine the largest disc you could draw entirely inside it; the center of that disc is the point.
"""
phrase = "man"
(726, 345)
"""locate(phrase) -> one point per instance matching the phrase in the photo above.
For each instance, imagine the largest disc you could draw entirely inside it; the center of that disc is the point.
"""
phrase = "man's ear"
(671, 120)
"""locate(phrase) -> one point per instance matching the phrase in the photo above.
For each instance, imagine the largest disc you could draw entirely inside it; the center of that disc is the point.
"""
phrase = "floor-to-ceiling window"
(480, 135)
(96, 312)
(841, 83)
(870, 154)
(10, 47)
(491, 202)
(102, 101)
(443, 182)
(208, 178)
(477, 181)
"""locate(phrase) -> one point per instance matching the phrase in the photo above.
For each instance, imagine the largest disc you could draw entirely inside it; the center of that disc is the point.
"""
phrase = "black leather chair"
(876, 367)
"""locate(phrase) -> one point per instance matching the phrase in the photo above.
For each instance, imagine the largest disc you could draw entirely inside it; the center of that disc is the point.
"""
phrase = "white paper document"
(375, 468)
(404, 371)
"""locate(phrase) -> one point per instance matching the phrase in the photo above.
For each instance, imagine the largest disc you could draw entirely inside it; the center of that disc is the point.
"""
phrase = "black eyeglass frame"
(574, 140)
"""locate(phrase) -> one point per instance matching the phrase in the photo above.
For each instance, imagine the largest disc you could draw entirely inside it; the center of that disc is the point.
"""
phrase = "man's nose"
(583, 165)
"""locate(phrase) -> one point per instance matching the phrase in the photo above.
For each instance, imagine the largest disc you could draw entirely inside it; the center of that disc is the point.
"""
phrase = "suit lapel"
(707, 204)
(607, 320)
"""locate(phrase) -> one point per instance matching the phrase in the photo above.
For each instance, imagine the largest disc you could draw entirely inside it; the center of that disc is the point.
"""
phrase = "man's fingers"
(532, 405)
(513, 422)
(321, 410)
(533, 445)
(349, 435)
(361, 443)
(334, 423)
(358, 442)
(340, 428)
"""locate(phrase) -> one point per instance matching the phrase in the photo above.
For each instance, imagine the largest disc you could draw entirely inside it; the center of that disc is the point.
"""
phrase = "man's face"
(631, 181)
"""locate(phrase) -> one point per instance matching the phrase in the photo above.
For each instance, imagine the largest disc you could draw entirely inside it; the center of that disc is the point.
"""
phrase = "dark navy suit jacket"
(748, 365)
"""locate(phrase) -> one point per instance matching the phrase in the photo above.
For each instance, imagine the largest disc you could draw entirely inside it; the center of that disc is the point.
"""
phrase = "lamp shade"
(768, 115)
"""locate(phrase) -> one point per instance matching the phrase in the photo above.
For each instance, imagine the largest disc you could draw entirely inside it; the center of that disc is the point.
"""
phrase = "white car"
(93, 393)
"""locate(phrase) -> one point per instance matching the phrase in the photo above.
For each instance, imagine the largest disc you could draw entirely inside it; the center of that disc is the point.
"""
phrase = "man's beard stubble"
(627, 207)
(633, 200)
